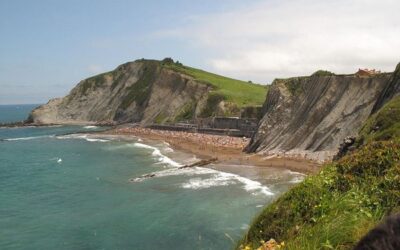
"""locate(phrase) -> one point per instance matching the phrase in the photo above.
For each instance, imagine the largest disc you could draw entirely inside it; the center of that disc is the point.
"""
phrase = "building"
(367, 72)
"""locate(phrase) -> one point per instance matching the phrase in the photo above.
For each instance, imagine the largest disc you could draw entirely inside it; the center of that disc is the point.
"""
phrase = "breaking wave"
(215, 178)
(157, 154)
(90, 127)
(28, 138)
(85, 137)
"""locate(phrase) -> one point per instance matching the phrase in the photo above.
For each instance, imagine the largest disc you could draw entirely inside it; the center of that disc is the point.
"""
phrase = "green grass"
(383, 125)
(322, 73)
(334, 209)
(238, 92)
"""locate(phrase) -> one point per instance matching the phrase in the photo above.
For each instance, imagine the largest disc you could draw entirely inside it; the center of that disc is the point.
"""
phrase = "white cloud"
(287, 38)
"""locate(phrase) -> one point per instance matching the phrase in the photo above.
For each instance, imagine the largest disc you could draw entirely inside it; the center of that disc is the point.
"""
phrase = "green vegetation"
(161, 118)
(187, 112)
(293, 85)
(212, 101)
(334, 209)
(118, 78)
(383, 125)
(94, 81)
(140, 91)
(252, 112)
(238, 92)
(322, 73)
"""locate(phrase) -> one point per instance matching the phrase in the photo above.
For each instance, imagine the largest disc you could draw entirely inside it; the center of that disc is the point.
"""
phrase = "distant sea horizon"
(15, 112)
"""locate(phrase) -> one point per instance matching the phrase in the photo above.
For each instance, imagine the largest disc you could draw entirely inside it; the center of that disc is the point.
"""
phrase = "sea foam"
(220, 178)
(157, 154)
(214, 178)
(84, 136)
(28, 138)
(90, 127)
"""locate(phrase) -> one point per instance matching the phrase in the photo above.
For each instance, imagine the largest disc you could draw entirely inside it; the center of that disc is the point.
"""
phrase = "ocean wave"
(90, 127)
(199, 183)
(96, 140)
(157, 154)
(217, 178)
(84, 136)
(28, 138)
(297, 179)
(72, 136)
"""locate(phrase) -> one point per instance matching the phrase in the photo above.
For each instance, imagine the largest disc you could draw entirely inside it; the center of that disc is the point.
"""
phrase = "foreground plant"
(335, 208)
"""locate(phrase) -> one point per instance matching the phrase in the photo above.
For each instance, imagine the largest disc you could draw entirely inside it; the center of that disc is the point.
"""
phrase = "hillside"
(336, 207)
(310, 116)
(150, 91)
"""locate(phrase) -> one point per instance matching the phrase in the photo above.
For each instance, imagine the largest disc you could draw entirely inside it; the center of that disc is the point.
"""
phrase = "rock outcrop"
(311, 116)
(391, 90)
(141, 91)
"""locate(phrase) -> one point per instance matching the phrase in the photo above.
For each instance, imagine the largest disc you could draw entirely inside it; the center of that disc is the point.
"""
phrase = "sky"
(48, 46)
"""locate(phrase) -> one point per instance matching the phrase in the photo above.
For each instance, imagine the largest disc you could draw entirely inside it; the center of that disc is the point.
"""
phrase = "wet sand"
(226, 148)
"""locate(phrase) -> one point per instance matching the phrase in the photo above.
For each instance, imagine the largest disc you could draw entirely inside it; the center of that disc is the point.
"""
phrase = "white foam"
(199, 183)
(249, 185)
(295, 173)
(217, 178)
(72, 136)
(79, 136)
(90, 127)
(296, 176)
(297, 179)
(157, 154)
(168, 150)
(28, 138)
(96, 140)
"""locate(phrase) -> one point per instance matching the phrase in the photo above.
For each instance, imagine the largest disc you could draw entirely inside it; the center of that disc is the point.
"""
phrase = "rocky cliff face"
(311, 116)
(141, 91)
(391, 90)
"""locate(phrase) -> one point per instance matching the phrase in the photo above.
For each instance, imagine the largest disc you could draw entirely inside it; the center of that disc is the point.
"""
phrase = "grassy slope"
(335, 208)
(238, 92)
(384, 124)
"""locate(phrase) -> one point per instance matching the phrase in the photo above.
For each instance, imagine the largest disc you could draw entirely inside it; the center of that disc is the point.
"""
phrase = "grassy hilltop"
(238, 92)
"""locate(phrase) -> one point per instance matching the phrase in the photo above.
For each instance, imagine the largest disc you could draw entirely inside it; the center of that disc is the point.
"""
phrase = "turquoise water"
(74, 192)
(15, 113)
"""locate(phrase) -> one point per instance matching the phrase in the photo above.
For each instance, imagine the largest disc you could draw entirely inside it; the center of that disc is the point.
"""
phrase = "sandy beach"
(226, 148)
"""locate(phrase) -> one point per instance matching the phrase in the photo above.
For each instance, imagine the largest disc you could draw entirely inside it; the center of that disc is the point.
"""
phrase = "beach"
(227, 149)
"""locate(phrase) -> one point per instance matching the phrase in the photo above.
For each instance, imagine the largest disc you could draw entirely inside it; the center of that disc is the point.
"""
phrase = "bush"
(322, 73)
(335, 208)
(167, 60)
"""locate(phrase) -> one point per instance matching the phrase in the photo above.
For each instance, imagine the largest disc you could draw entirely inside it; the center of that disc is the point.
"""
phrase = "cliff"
(148, 91)
(310, 116)
(336, 207)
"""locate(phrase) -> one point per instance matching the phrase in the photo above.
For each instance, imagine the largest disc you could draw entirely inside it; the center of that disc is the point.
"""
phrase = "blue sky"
(47, 47)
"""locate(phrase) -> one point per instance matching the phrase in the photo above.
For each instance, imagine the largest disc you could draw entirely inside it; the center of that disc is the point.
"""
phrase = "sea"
(62, 188)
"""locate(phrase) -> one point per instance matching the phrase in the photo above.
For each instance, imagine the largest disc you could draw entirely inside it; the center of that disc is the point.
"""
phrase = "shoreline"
(226, 148)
